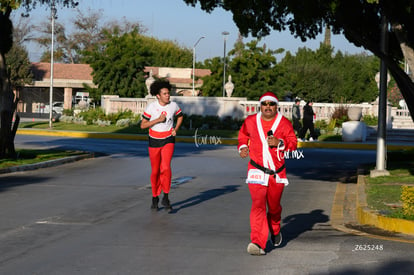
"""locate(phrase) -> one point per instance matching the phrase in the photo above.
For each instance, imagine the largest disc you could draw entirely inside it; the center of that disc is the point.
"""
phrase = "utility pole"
(224, 59)
(194, 59)
(53, 14)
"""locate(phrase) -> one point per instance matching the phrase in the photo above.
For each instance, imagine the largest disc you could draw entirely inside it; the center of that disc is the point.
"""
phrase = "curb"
(45, 164)
(78, 134)
(367, 216)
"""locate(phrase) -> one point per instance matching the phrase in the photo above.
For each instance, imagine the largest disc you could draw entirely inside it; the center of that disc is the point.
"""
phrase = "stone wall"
(238, 107)
(212, 106)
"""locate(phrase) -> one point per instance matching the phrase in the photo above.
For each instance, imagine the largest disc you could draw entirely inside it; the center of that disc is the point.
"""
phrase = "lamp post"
(53, 14)
(194, 58)
(224, 59)
(380, 169)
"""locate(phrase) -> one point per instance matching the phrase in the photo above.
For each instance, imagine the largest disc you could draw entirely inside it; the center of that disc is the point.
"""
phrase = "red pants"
(265, 198)
(160, 158)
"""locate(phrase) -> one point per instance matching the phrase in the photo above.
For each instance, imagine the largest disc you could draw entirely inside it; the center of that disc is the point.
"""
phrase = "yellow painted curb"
(366, 216)
(81, 134)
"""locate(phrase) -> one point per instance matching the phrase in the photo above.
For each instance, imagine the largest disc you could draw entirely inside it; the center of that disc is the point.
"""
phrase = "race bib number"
(256, 176)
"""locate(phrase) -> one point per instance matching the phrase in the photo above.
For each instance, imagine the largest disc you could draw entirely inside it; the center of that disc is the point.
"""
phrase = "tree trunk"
(404, 82)
(7, 108)
(406, 50)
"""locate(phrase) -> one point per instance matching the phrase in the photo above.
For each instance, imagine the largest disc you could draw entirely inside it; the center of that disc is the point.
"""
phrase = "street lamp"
(53, 14)
(194, 58)
(224, 59)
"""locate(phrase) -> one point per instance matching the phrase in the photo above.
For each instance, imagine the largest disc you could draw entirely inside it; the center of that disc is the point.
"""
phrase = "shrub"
(229, 123)
(67, 112)
(124, 122)
(394, 95)
(98, 117)
(339, 116)
(407, 198)
(92, 115)
(127, 114)
(370, 120)
(66, 119)
(332, 124)
(321, 124)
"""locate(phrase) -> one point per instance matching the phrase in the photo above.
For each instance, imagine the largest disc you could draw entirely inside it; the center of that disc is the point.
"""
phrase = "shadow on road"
(10, 182)
(330, 165)
(297, 224)
(203, 196)
(391, 267)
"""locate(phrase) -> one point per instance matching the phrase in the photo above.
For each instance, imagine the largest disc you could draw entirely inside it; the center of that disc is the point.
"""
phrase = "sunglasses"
(268, 103)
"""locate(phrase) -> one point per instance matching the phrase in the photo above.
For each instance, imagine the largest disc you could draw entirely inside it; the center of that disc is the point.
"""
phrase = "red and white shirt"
(164, 129)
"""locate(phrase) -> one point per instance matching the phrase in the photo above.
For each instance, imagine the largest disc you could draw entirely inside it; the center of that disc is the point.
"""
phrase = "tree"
(118, 64)
(64, 48)
(323, 76)
(17, 59)
(213, 83)
(252, 68)
(358, 20)
(19, 67)
(8, 101)
(89, 29)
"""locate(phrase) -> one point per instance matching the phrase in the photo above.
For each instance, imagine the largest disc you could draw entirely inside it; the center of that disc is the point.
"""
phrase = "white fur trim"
(269, 98)
(243, 146)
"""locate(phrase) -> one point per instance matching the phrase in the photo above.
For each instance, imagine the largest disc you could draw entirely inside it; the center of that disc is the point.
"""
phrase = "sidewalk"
(349, 213)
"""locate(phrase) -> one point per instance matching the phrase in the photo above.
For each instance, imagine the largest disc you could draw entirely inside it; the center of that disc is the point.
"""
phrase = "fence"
(240, 107)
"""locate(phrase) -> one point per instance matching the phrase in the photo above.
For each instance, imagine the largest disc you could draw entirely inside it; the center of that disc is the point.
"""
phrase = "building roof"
(41, 71)
(75, 75)
(178, 75)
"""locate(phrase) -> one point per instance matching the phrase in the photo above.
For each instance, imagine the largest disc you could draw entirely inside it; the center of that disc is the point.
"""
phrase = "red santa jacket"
(252, 137)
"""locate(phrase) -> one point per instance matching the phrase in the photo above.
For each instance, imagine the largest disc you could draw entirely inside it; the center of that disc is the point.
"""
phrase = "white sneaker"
(254, 249)
(311, 139)
(300, 140)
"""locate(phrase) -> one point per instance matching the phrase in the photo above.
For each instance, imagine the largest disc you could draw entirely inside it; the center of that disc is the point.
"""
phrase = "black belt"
(267, 170)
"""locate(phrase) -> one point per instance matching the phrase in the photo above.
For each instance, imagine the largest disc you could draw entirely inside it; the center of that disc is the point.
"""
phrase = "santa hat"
(269, 96)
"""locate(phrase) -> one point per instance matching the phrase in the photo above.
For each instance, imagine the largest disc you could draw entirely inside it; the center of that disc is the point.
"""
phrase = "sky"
(174, 20)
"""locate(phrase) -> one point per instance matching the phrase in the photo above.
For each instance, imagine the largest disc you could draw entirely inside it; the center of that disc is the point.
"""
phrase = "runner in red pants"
(265, 137)
(160, 158)
(159, 118)
(262, 219)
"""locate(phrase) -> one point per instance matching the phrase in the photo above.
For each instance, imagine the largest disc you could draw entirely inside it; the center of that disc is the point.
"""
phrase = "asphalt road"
(93, 216)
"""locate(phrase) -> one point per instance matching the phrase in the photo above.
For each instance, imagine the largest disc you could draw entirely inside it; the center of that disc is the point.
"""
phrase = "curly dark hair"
(159, 84)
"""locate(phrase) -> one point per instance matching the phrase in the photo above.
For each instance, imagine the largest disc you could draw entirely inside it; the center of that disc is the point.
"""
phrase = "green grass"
(384, 193)
(28, 156)
(77, 127)
(330, 138)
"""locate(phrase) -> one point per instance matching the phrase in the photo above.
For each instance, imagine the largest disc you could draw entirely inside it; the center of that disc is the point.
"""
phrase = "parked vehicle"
(57, 107)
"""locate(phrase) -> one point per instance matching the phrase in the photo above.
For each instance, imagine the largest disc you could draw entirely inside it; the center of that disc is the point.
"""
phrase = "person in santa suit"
(159, 118)
(265, 137)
